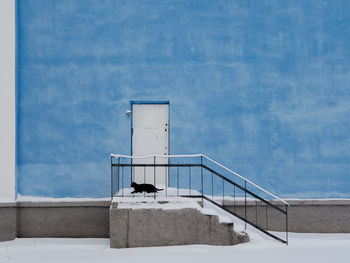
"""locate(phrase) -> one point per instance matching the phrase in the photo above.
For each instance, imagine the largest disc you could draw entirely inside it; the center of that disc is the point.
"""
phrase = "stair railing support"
(286, 224)
(154, 174)
(202, 179)
(245, 205)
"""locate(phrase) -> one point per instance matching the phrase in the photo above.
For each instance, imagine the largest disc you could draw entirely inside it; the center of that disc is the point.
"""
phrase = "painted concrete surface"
(304, 216)
(260, 86)
(91, 219)
(8, 225)
(79, 220)
(158, 227)
(7, 101)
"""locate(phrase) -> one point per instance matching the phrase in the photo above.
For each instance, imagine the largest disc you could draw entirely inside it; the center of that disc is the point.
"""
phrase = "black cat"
(149, 188)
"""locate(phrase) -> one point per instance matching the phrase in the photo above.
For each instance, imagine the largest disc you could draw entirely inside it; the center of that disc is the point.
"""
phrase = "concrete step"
(144, 223)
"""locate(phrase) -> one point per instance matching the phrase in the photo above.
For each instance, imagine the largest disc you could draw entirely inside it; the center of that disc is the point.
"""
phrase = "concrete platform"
(144, 223)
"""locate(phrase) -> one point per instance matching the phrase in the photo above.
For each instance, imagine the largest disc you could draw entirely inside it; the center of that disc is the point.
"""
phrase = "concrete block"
(77, 222)
(158, 227)
(119, 220)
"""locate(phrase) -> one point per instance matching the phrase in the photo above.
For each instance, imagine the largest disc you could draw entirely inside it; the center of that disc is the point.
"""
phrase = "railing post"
(287, 224)
(166, 181)
(245, 205)
(189, 180)
(177, 175)
(112, 181)
(256, 211)
(122, 181)
(212, 186)
(132, 171)
(132, 175)
(154, 162)
(118, 174)
(144, 179)
(234, 198)
(223, 192)
(202, 179)
(267, 222)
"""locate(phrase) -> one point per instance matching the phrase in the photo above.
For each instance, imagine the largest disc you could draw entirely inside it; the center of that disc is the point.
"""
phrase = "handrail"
(250, 223)
(206, 157)
(241, 187)
(116, 174)
(156, 155)
(240, 176)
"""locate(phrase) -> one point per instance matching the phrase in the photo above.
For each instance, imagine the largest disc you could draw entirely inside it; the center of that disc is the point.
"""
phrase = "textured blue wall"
(260, 86)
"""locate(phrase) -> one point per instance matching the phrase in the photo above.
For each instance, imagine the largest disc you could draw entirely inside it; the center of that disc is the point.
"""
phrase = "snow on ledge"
(21, 198)
(169, 203)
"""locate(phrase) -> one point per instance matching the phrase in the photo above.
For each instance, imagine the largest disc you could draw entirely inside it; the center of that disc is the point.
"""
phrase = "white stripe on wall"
(7, 100)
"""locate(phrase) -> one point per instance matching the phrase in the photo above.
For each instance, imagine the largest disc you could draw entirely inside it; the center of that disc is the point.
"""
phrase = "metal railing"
(198, 176)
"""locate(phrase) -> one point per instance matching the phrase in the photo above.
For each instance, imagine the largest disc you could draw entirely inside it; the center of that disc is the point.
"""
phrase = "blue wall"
(260, 86)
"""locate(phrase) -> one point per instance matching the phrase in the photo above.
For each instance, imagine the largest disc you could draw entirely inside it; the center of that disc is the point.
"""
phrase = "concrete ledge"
(84, 219)
(304, 216)
(300, 202)
(65, 204)
(159, 227)
(77, 221)
(8, 222)
(91, 218)
(292, 202)
(8, 204)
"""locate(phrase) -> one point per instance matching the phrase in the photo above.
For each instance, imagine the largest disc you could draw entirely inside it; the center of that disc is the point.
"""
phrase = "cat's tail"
(159, 189)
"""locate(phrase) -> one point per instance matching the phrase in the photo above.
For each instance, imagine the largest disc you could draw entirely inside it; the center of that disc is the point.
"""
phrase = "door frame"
(140, 102)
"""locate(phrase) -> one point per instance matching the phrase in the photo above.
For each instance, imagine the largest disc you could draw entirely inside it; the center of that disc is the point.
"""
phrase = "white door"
(150, 135)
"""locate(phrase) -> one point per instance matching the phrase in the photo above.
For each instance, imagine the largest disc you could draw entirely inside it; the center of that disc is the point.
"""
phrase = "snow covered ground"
(309, 248)
(302, 248)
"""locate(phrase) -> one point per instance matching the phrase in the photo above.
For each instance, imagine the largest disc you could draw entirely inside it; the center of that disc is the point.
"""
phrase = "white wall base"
(7, 100)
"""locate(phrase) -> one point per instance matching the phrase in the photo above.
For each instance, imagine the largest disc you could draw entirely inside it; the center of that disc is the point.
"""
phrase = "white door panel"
(150, 116)
(149, 141)
(150, 136)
